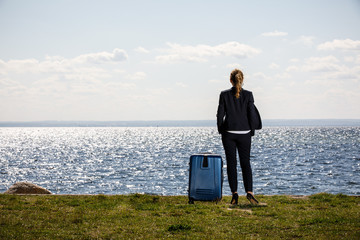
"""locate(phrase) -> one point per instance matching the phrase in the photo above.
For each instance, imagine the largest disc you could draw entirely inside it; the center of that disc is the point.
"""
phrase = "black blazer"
(237, 114)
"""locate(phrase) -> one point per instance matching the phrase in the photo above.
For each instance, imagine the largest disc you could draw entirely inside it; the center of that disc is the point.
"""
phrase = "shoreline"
(183, 123)
(157, 195)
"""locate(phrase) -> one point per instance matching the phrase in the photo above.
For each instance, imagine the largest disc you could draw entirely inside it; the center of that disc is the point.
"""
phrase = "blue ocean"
(287, 157)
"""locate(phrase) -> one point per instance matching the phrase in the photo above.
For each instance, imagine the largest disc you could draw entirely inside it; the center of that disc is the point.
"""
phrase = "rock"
(26, 188)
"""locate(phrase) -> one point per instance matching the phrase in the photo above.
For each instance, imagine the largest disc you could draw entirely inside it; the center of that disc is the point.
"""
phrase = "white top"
(239, 132)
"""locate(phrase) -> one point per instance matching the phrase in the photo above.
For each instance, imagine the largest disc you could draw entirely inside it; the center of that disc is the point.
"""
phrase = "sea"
(295, 157)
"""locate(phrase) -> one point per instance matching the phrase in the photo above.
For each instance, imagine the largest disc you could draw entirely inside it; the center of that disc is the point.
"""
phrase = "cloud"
(274, 66)
(114, 86)
(234, 65)
(349, 59)
(343, 73)
(58, 64)
(86, 74)
(325, 69)
(321, 64)
(292, 68)
(22, 66)
(275, 33)
(306, 40)
(345, 44)
(180, 84)
(201, 53)
(141, 50)
(260, 75)
(117, 55)
(56, 77)
(155, 92)
(136, 76)
(327, 59)
(215, 81)
(284, 75)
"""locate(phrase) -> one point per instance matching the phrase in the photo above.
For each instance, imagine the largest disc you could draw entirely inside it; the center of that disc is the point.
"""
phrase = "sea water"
(155, 160)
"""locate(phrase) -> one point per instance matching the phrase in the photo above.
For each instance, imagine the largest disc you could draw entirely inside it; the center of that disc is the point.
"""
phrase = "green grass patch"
(138, 216)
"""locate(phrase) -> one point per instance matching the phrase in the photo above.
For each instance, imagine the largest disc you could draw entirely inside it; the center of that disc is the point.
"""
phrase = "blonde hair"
(237, 78)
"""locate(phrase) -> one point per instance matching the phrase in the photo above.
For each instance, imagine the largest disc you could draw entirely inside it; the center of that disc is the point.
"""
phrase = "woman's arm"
(253, 116)
(220, 114)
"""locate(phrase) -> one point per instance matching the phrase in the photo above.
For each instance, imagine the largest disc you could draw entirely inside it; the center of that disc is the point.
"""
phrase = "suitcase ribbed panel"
(204, 191)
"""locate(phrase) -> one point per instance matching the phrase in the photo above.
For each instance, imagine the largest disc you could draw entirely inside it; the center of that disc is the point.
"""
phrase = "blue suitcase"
(206, 178)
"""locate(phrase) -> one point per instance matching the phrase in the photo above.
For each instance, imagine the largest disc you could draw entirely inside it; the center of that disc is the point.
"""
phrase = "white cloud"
(306, 40)
(200, 53)
(60, 80)
(343, 73)
(58, 64)
(178, 58)
(345, 44)
(321, 64)
(327, 59)
(5, 82)
(274, 66)
(117, 55)
(136, 76)
(275, 33)
(259, 75)
(292, 68)
(215, 81)
(158, 91)
(86, 74)
(326, 69)
(113, 86)
(120, 71)
(321, 67)
(234, 65)
(180, 84)
(2, 64)
(349, 59)
(141, 50)
(284, 75)
(22, 66)
(294, 60)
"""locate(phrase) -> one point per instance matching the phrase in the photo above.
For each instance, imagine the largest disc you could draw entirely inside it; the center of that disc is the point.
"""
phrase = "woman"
(236, 123)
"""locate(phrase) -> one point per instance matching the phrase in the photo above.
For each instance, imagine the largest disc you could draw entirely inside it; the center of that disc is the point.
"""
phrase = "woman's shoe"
(235, 198)
(252, 199)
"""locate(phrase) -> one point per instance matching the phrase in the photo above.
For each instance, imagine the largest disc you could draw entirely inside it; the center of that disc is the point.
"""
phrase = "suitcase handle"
(205, 162)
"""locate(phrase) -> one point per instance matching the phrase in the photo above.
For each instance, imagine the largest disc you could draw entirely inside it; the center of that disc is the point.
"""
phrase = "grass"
(137, 216)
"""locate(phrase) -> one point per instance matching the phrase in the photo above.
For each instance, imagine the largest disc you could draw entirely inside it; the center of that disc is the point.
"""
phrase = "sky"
(169, 60)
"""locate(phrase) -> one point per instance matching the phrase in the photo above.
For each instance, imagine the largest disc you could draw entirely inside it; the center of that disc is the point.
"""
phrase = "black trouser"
(241, 143)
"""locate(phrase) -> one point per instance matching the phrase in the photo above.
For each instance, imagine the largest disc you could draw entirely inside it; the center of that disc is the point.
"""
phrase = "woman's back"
(232, 114)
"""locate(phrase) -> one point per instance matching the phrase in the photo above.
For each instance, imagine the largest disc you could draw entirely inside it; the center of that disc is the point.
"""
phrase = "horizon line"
(168, 120)
(175, 123)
